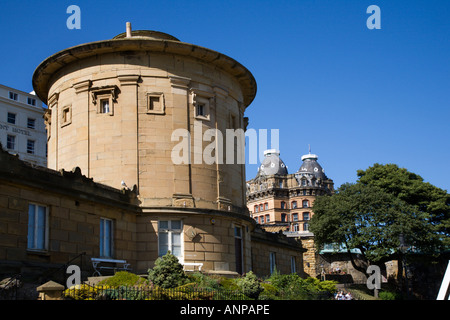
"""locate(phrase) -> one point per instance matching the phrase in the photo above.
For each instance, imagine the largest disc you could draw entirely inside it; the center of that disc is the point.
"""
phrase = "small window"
(30, 146)
(201, 105)
(295, 217)
(283, 217)
(306, 216)
(256, 209)
(37, 237)
(305, 203)
(31, 123)
(305, 226)
(294, 205)
(261, 207)
(266, 206)
(169, 238)
(283, 205)
(31, 101)
(201, 109)
(267, 218)
(106, 238)
(272, 261)
(104, 106)
(11, 118)
(10, 142)
(293, 265)
(13, 96)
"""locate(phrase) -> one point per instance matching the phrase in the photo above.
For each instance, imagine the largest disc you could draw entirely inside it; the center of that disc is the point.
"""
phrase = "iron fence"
(87, 292)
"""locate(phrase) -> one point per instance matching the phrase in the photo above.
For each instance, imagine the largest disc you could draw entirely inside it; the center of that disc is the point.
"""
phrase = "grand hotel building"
(282, 202)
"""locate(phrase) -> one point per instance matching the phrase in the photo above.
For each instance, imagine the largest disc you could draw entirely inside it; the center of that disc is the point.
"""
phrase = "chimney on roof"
(128, 29)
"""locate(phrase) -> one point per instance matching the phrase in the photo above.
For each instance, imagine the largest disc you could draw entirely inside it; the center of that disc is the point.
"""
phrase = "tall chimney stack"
(128, 29)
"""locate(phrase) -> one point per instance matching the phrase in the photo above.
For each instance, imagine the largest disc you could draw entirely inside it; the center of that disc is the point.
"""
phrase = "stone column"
(182, 179)
(129, 126)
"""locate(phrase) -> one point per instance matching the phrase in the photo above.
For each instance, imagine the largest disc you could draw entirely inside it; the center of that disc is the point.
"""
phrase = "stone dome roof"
(310, 166)
(272, 164)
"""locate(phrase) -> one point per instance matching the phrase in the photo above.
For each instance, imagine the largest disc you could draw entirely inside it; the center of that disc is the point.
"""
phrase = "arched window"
(283, 205)
(293, 204)
(283, 217)
(266, 206)
(256, 208)
(305, 203)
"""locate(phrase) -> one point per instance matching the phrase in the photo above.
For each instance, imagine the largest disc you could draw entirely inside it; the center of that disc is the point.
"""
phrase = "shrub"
(388, 295)
(250, 285)
(122, 278)
(270, 292)
(81, 292)
(167, 272)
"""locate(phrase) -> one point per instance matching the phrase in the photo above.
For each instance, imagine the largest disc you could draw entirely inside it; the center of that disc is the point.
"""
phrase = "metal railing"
(87, 292)
(8, 290)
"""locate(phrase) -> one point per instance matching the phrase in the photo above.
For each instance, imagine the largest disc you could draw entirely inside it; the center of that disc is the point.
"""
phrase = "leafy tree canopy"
(385, 204)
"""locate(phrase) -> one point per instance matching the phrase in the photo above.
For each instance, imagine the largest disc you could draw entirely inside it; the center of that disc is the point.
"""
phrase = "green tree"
(167, 272)
(411, 188)
(385, 205)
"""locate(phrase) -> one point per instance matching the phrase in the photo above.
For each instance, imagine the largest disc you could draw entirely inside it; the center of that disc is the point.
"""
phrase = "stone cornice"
(50, 66)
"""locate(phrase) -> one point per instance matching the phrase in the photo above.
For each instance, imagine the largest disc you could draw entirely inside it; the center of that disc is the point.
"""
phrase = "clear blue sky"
(357, 96)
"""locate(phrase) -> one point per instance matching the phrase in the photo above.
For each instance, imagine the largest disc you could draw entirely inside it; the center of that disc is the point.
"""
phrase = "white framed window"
(30, 146)
(11, 118)
(13, 96)
(306, 216)
(10, 142)
(272, 261)
(37, 238)
(31, 123)
(106, 238)
(169, 238)
(31, 101)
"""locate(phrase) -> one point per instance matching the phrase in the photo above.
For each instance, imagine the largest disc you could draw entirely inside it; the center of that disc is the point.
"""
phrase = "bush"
(270, 292)
(250, 285)
(167, 272)
(81, 292)
(388, 295)
(122, 278)
(293, 287)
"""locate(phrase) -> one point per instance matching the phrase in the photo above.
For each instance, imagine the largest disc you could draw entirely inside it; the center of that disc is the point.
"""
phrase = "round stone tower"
(141, 111)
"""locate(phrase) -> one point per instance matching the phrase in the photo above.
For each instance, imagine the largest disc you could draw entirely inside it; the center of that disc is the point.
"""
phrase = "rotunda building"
(139, 111)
